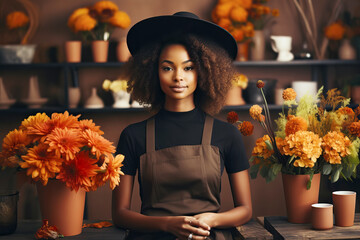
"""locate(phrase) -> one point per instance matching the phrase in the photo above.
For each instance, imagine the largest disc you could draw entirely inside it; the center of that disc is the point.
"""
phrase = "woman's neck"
(182, 105)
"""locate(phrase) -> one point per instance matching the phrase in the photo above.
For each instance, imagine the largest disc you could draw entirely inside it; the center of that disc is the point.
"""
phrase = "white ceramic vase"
(121, 99)
(94, 101)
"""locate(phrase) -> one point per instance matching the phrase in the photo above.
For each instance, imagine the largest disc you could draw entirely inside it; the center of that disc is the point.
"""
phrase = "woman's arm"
(180, 226)
(242, 212)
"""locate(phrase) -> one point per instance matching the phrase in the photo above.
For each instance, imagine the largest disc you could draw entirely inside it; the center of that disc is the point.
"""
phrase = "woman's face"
(177, 74)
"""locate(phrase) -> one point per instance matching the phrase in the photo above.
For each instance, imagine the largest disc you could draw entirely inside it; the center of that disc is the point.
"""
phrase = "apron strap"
(150, 135)
(207, 131)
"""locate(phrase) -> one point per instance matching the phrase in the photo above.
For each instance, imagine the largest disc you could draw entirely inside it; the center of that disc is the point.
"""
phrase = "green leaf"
(269, 145)
(276, 168)
(335, 175)
(264, 171)
(327, 168)
(252, 158)
(254, 169)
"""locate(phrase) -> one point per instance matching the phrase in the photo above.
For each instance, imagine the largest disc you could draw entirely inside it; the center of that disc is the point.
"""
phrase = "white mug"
(282, 46)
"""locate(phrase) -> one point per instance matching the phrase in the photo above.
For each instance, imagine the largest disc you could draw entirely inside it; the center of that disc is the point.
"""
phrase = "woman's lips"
(178, 88)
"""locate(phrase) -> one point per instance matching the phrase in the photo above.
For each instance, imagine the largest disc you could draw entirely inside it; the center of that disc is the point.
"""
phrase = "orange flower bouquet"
(62, 147)
(317, 135)
(241, 17)
(97, 22)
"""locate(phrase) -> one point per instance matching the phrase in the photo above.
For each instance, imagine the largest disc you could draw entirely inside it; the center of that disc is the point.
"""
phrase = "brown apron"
(180, 181)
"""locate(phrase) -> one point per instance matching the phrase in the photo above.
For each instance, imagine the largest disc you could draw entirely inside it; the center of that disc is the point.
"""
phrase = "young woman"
(181, 67)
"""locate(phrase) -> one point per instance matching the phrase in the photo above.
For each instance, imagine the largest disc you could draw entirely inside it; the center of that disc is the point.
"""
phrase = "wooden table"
(26, 230)
(282, 229)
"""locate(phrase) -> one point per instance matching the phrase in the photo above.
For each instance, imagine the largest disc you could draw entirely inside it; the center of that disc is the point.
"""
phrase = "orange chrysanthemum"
(78, 172)
(335, 146)
(112, 171)
(120, 19)
(98, 144)
(260, 149)
(354, 129)
(295, 124)
(246, 128)
(232, 117)
(255, 112)
(16, 19)
(65, 142)
(238, 34)
(289, 94)
(89, 124)
(41, 164)
(304, 145)
(15, 142)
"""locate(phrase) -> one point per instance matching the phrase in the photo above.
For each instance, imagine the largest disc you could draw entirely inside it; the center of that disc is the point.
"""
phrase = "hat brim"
(152, 29)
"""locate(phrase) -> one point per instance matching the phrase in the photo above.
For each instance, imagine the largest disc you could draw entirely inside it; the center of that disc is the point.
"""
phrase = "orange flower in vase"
(66, 157)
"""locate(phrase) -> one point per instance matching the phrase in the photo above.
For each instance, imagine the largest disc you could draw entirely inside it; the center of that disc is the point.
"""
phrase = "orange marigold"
(89, 124)
(232, 117)
(15, 142)
(304, 145)
(354, 129)
(335, 145)
(16, 19)
(120, 19)
(238, 34)
(102, 7)
(261, 149)
(98, 144)
(335, 31)
(238, 14)
(255, 112)
(289, 94)
(246, 128)
(222, 10)
(84, 23)
(295, 124)
(74, 15)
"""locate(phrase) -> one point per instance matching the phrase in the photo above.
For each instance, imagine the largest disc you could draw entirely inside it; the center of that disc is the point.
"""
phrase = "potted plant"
(312, 137)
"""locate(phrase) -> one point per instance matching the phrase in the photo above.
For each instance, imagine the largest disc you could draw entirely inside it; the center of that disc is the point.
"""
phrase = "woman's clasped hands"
(186, 228)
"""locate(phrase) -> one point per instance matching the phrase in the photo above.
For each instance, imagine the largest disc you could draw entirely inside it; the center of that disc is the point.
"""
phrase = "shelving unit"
(319, 71)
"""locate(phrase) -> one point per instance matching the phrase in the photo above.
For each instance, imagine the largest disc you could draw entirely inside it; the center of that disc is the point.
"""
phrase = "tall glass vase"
(257, 51)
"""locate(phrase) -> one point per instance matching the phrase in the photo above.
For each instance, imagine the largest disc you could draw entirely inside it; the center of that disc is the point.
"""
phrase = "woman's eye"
(166, 68)
(189, 68)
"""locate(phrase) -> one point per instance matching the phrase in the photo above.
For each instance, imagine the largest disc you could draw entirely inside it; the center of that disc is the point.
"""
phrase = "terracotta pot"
(73, 51)
(122, 52)
(243, 52)
(344, 208)
(234, 97)
(322, 216)
(62, 207)
(100, 50)
(298, 199)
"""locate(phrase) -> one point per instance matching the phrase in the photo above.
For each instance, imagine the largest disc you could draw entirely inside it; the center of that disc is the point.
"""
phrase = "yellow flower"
(289, 94)
(304, 145)
(255, 112)
(240, 80)
(260, 149)
(115, 86)
(16, 19)
(335, 31)
(335, 146)
(120, 19)
(103, 6)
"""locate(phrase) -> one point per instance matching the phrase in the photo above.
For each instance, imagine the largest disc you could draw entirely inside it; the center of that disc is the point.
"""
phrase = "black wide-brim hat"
(154, 28)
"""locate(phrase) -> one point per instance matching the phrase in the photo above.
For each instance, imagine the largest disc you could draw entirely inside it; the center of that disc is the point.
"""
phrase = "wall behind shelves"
(53, 32)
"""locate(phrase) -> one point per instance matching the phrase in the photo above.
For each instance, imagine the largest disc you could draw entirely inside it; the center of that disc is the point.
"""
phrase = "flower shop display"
(317, 135)
(64, 156)
(242, 19)
(96, 23)
(119, 92)
(21, 22)
(234, 96)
